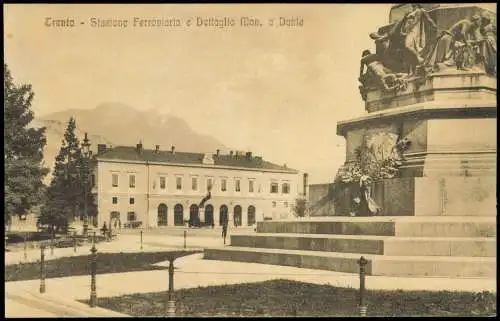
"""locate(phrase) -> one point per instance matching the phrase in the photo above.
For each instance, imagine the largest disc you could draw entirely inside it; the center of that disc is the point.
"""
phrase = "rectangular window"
(131, 217)
(115, 200)
(223, 184)
(251, 186)
(131, 181)
(114, 180)
(132, 200)
(237, 187)
(194, 183)
(163, 182)
(285, 188)
(178, 183)
(209, 184)
(92, 180)
(274, 188)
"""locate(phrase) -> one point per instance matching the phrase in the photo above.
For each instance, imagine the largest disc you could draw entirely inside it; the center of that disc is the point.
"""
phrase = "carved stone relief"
(414, 46)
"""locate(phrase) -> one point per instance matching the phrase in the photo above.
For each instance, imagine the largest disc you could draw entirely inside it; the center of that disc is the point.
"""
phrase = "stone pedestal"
(438, 214)
(450, 120)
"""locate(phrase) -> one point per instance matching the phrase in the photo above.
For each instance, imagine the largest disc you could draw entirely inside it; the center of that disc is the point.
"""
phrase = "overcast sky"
(278, 92)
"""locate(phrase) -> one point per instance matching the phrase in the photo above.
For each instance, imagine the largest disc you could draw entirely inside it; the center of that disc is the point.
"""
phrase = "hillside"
(120, 124)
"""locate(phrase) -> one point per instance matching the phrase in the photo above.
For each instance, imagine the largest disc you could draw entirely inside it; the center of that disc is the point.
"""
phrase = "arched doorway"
(209, 215)
(114, 220)
(194, 215)
(251, 215)
(223, 215)
(237, 215)
(162, 215)
(178, 215)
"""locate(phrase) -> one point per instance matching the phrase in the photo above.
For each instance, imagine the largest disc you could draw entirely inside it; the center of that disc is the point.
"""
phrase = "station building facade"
(158, 188)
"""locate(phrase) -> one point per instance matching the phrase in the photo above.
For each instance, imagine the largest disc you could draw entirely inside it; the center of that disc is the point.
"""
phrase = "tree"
(85, 196)
(23, 150)
(64, 195)
(300, 207)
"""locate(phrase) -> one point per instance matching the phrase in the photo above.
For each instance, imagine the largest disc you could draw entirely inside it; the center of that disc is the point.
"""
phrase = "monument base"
(454, 247)
(425, 196)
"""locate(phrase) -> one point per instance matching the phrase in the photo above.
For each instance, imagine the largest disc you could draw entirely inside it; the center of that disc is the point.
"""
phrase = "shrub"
(300, 208)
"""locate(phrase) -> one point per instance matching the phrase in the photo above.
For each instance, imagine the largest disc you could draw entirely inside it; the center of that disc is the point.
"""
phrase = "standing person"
(368, 207)
(104, 229)
(488, 45)
(465, 31)
(224, 230)
(459, 55)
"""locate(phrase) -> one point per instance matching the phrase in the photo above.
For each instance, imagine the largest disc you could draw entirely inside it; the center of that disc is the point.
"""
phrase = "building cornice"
(121, 161)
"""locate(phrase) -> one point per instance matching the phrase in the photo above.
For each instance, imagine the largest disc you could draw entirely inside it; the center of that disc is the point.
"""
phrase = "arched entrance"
(178, 215)
(237, 215)
(162, 215)
(194, 215)
(209, 215)
(251, 215)
(223, 215)
(114, 220)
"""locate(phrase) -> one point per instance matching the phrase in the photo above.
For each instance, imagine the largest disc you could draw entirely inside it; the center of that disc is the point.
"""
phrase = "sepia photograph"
(250, 160)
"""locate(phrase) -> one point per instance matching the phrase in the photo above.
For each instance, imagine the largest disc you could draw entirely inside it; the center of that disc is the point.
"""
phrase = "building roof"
(130, 153)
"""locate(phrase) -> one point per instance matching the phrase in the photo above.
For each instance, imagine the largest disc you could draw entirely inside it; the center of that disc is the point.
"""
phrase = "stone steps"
(439, 246)
(368, 244)
(383, 265)
(458, 226)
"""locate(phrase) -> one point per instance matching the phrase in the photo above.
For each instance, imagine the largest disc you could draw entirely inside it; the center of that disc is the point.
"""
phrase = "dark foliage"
(80, 265)
(23, 151)
(290, 298)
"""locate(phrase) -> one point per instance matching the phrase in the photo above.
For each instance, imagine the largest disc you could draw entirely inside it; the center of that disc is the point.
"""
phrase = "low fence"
(175, 308)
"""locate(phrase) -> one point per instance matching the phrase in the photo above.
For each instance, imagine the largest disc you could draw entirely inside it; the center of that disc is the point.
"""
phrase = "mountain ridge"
(118, 124)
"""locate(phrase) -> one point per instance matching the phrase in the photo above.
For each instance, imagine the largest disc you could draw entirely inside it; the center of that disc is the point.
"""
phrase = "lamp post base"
(362, 310)
(171, 308)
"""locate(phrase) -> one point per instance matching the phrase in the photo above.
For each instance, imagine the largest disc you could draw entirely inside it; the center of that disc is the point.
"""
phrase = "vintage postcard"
(181, 160)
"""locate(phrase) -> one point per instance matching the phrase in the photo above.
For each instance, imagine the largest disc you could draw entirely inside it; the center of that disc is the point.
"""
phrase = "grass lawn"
(80, 265)
(290, 298)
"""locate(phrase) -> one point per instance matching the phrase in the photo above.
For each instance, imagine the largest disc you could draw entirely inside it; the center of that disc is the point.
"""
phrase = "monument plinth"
(432, 84)
(427, 144)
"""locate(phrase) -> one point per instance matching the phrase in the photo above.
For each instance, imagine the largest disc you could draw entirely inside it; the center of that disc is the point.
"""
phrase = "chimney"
(306, 184)
(139, 148)
(173, 150)
(231, 153)
(157, 149)
(217, 152)
(101, 148)
(249, 155)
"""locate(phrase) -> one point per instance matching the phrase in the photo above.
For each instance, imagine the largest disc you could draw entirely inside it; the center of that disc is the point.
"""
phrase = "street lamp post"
(86, 154)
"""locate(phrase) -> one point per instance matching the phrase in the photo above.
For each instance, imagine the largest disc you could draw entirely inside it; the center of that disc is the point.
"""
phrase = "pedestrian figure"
(104, 229)
(224, 231)
(115, 223)
(119, 224)
(459, 55)
(367, 206)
